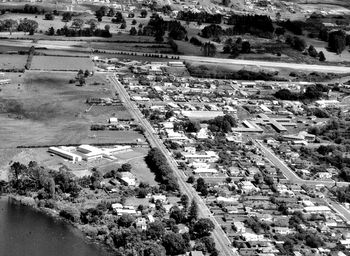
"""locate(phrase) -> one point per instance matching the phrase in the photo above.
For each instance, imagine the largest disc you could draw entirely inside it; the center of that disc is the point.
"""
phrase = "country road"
(222, 241)
(270, 64)
(55, 45)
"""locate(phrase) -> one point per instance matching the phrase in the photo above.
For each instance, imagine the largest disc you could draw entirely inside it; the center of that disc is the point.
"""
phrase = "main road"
(222, 241)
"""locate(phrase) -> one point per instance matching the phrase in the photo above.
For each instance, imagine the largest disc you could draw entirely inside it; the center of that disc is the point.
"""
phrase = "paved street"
(219, 235)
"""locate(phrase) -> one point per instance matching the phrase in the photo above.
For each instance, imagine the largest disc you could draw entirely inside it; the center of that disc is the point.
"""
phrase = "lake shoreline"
(30, 202)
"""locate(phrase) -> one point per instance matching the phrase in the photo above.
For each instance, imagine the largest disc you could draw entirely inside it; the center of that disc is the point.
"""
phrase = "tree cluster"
(222, 123)
(47, 183)
(337, 41)
(159, 165)
(25, 25)
(260, 25)
(312, 92)
(295, 26)
(296, 43)
(157, 26)
(200, 17)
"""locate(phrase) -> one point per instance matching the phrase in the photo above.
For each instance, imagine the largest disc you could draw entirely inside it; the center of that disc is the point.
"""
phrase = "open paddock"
(10, 62)
(44, 109)
(61, 63)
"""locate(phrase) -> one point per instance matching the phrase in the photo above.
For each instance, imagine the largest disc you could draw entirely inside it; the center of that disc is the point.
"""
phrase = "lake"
(25, 232)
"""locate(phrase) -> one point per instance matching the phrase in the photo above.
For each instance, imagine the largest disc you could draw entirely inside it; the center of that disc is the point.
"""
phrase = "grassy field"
(61, 63)
(44, 109)
(12, 61)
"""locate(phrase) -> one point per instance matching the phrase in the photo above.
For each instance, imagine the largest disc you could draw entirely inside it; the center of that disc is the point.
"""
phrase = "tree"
(49, 16)
(70, 213)
(209, 49)
(174, 244)
(279, 31)
(86, 73)
(184, 201)
(209, 244)
(193, 211)
(118, 18)
(10, 25)
(156, 230)
(337, 41)
(245, 47)
(111, 12)
(192, 126)
(191, 179)
(134, 22)
(78, 24)
(51, 31)
(66, 17)
(123, 25)
(321, 56)
(126, 167)
(226, 2)
(177, 214)
(202, 227)
(92, 23)
(126, 220)
(158, 37)
(27, 25)
(202, 187)
(143, 13)
(312, 51)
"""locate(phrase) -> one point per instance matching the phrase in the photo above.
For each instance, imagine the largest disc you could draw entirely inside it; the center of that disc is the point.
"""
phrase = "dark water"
(25, 232)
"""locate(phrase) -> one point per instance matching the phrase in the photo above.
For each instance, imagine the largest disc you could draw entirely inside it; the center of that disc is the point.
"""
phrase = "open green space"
(43, 108)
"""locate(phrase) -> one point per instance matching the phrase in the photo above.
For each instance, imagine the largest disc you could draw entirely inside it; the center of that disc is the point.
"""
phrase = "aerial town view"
(174, 127)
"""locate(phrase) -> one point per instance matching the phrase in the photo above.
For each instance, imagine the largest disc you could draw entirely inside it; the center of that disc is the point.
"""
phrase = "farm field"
(44, 109)
(61, 63)
(8, 62)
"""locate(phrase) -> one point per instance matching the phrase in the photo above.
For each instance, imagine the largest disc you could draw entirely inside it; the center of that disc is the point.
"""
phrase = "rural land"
(181, 127)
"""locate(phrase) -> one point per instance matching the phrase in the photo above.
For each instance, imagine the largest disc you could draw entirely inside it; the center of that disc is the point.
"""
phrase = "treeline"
(158, 164)
(32, 9)
(206, 72)
(201, 17)
(31, 53)
(85, 32)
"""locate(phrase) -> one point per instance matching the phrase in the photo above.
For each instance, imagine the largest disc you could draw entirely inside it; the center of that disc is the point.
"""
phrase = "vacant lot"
(44, 109)
(8, 62)
(61, 63)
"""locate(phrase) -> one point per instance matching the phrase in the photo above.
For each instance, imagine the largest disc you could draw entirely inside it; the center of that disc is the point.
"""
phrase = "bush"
(71, 214)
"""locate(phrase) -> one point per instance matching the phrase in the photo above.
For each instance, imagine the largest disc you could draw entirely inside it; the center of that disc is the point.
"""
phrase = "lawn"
(61, 63)
(44, 109)
(9, 62)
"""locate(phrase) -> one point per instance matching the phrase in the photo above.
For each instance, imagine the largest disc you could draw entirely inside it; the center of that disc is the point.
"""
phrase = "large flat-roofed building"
(317, 209)
(90, 152)
(65, 152)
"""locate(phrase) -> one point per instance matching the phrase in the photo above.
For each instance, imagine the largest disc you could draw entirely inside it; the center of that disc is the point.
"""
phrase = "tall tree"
(193, 211)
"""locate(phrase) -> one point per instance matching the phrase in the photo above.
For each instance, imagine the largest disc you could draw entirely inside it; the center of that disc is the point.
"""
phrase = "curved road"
(222, 241)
